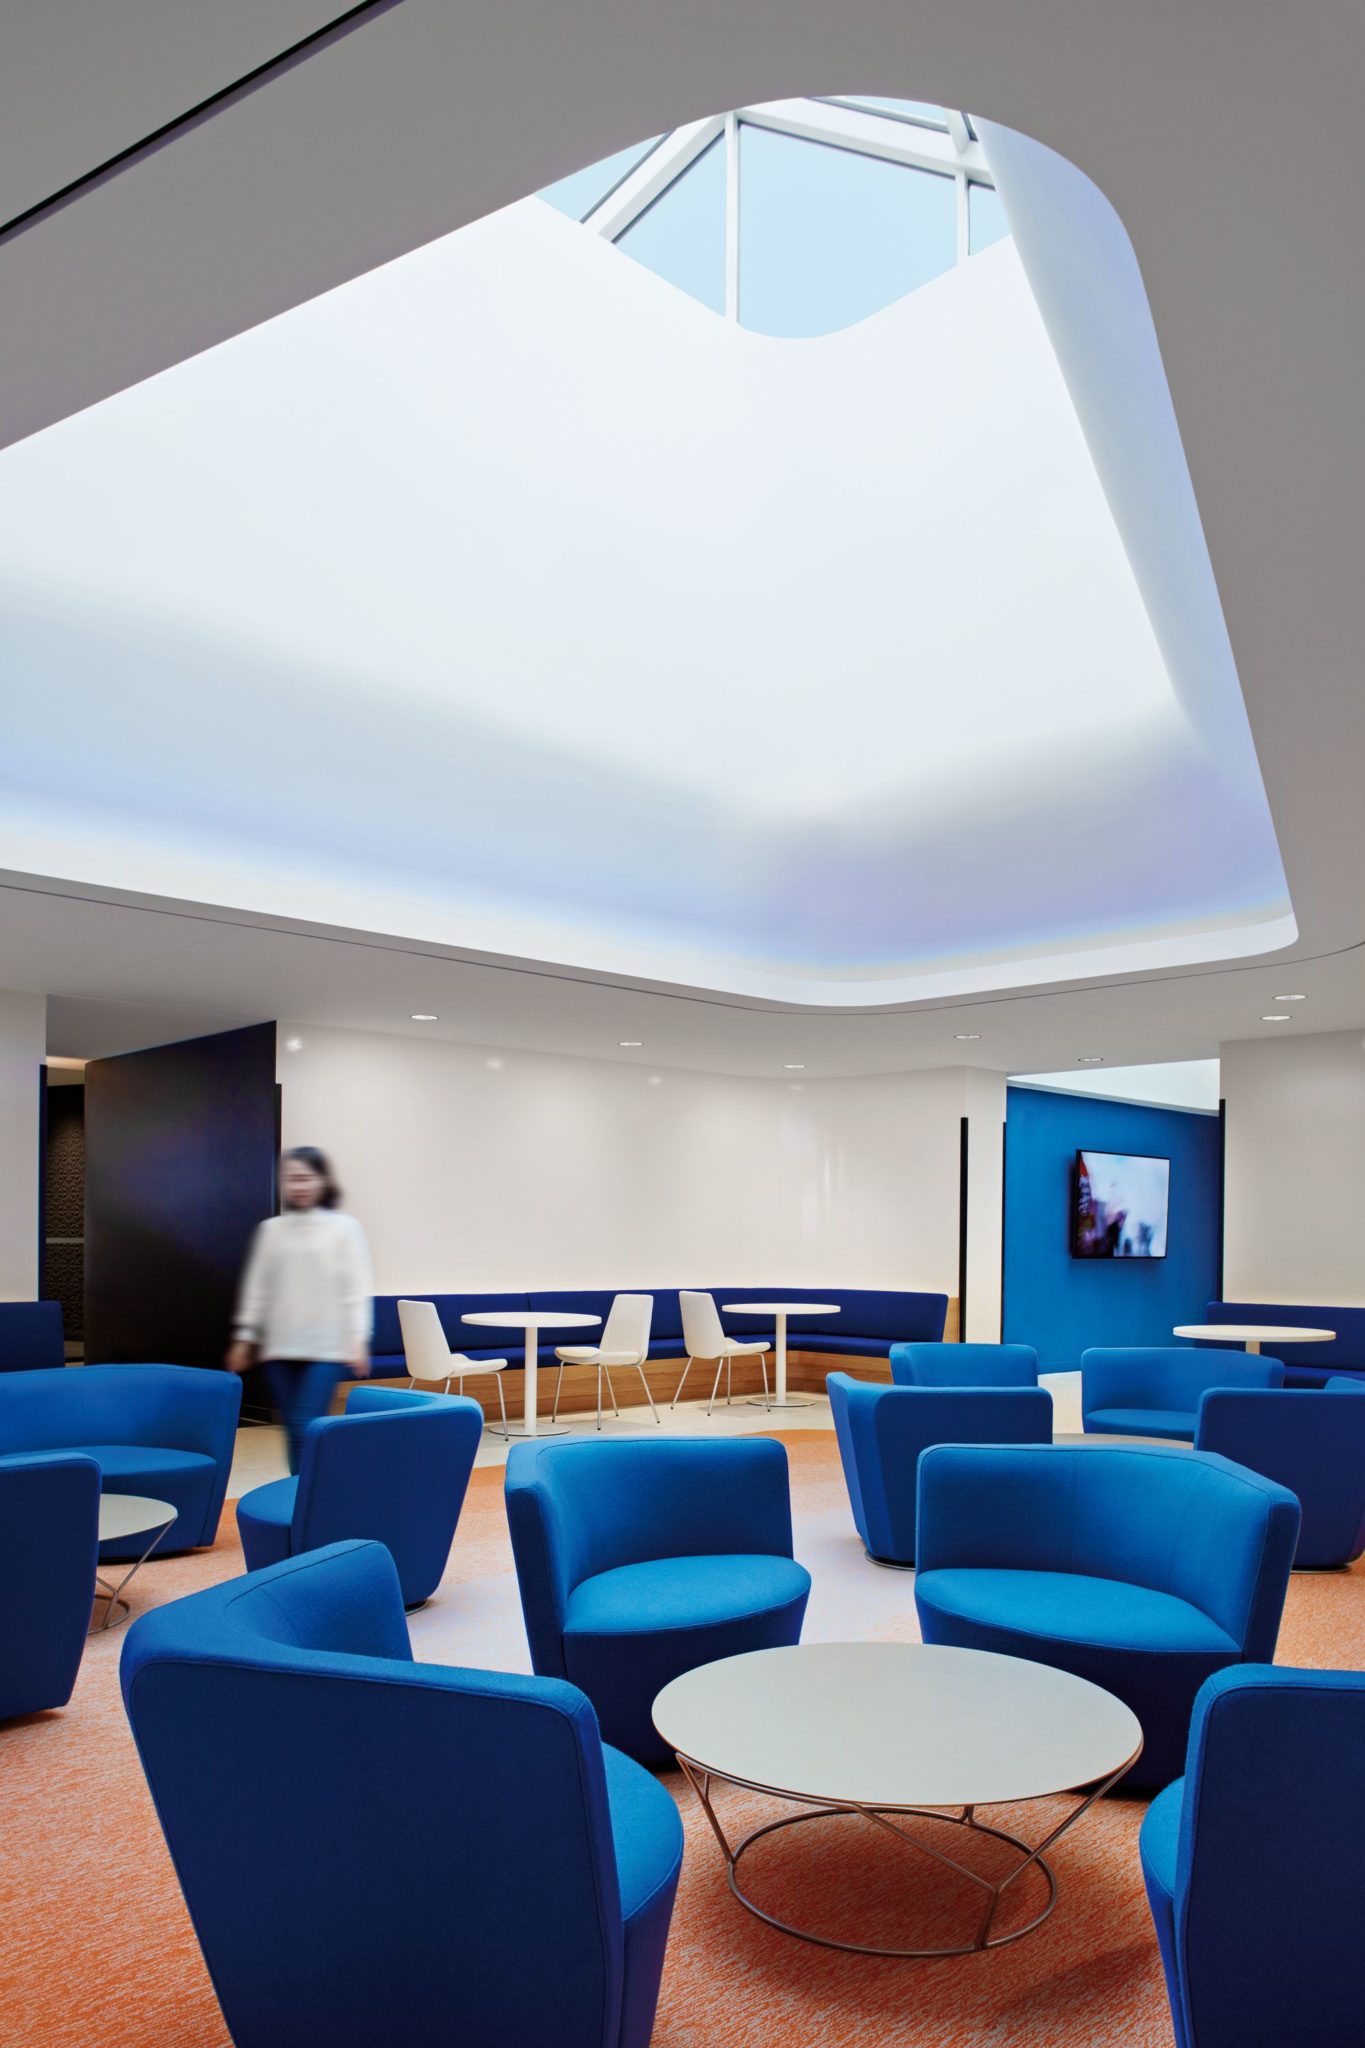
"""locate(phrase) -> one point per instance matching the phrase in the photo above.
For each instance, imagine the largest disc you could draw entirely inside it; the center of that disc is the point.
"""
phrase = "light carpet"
(96, 1949)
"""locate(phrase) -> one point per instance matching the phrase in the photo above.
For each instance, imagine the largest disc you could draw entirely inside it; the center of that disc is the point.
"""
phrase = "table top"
(1254, 1333)
(1092, 1439)
(132, 1514)
(531, 1319)
(781, 1308)
(896, 1724)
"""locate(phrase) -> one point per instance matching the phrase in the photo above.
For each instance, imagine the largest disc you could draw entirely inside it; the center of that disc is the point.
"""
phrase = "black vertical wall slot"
(1222, 1188)
(962, 1151)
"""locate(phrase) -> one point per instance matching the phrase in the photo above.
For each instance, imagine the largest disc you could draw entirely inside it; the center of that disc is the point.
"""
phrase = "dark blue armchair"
(1252, 1863)
(1313, 1442)
(1155, 1389)
(1144, 1568)
(394, 1468)
(166, 1431)
(964, 1365)
(639, 1560)
(882, 1430)
(305, 1771)
(49, 1532)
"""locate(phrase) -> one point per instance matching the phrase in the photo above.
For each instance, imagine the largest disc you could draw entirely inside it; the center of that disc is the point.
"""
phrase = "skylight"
(800, 217)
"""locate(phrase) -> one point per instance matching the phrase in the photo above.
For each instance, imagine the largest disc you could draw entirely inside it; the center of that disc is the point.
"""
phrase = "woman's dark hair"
(317, 1162)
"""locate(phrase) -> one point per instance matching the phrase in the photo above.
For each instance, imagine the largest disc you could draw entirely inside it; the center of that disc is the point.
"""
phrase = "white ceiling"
(1246, 255)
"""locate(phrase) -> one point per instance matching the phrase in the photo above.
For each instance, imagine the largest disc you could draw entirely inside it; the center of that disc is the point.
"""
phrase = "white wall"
(477, 1168)
(23, 1033)
(1295, 1200)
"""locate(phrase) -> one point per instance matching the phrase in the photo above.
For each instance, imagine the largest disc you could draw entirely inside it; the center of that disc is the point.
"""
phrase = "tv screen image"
(1121, 1205)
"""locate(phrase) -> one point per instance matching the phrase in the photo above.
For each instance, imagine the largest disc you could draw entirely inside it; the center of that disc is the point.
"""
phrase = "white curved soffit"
(504, 598)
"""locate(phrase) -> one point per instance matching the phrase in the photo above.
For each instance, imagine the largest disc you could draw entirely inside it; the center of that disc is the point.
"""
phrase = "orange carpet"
(96, 1950)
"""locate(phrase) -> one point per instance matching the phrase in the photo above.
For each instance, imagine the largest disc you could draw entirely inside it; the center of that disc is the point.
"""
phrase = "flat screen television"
(1120, 1205)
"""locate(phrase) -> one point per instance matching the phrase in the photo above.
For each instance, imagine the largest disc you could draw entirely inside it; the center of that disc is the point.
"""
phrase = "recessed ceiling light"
(494, 1065)
(1276, 1017)
(1291, 999)
(293, 1045)
(425, 1017)
(1090, 1059)
(631, 1044)
(656, 1080)
(793, 1066)
(962, 1036)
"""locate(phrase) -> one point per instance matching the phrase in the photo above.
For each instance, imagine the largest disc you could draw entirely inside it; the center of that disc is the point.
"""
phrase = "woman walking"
(305, 1308)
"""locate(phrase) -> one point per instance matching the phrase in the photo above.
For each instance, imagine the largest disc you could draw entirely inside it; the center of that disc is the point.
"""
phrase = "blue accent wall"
(1062, 1305)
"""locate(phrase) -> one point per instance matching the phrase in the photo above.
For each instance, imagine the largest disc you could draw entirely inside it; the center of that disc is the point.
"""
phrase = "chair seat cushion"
(646, 1827)
(1069, 1607)
(129, 1462)
(1176, 1423)
(264, 1521)
(681, 1593)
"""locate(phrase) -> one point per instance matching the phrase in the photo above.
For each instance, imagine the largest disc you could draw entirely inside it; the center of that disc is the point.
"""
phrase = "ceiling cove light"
(425, 1017)
(861, 297)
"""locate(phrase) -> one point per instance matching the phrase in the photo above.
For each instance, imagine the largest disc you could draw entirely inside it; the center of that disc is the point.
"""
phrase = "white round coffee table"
(871, 1730)
(779, 1311)
(1253, 1335)
(122, 1517)
(532, 1322)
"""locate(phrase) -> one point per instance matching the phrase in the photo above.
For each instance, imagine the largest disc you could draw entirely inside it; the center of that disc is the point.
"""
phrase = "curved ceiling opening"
(769, 566)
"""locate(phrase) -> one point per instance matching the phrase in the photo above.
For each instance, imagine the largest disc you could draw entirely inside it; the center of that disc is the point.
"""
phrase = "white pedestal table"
(532, 1322)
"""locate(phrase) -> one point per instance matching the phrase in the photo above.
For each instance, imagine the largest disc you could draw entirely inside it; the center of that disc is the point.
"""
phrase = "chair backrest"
(1175, 1520)
(576, 1509)
(627, 1325)
(1310, 1440)
(882, 1431)
(701, 1324)
(426, 1352)
(1167, 1375)
(31, 1336)
(328, 1770)
(49, 1536)
(395, 1469)
(1267, 1910)
(964, 1365)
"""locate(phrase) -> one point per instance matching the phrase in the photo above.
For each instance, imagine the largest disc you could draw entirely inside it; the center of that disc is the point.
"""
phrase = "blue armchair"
(639, 1560)
(49, 1532)
(1144, 1568)
(964, 1365)
(1313, 1442)
(327, 1775)
(163, 1430)
(882, 1430)
(394, 1468)
(31, 1336)
(1155, 1389)
(1252, 1863)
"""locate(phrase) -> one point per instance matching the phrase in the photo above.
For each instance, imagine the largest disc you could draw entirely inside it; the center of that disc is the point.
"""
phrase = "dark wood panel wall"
(180, 1168)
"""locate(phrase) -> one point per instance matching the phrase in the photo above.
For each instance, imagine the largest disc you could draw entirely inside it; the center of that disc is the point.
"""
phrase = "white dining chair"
(625, 1342)
(705, 1338)
(430, 1360)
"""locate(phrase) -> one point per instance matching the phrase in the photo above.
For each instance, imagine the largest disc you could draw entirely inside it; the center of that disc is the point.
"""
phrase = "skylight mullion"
(898, 142)
(635, 194)
(732, 217)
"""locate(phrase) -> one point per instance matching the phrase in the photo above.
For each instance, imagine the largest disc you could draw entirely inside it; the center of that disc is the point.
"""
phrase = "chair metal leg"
(559, 1381)
(503, 1406)
(599, 1397)
(615, 1408)
(648, 1396)
(677, 1396)
(720, 1367)
(763, 1361)
(729, 1382)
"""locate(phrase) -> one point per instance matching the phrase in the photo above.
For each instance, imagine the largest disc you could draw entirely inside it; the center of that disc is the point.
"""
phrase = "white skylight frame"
(953, 152)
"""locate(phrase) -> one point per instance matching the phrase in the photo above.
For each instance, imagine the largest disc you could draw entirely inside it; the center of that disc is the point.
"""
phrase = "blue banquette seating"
(1305, 1365)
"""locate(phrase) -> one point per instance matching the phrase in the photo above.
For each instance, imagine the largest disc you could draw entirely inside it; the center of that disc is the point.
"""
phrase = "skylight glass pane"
(827, 237)
(986, 221)
(682, 235)
(581, 191)
(910, 110)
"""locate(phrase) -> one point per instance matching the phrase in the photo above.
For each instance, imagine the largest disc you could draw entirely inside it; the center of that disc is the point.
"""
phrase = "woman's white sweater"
(306, 1292)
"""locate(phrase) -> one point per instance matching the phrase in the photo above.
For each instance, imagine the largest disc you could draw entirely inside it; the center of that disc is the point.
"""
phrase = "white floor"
(260, 1449)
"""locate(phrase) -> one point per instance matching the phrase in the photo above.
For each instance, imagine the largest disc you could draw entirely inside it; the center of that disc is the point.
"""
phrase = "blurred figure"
(304, 1310)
